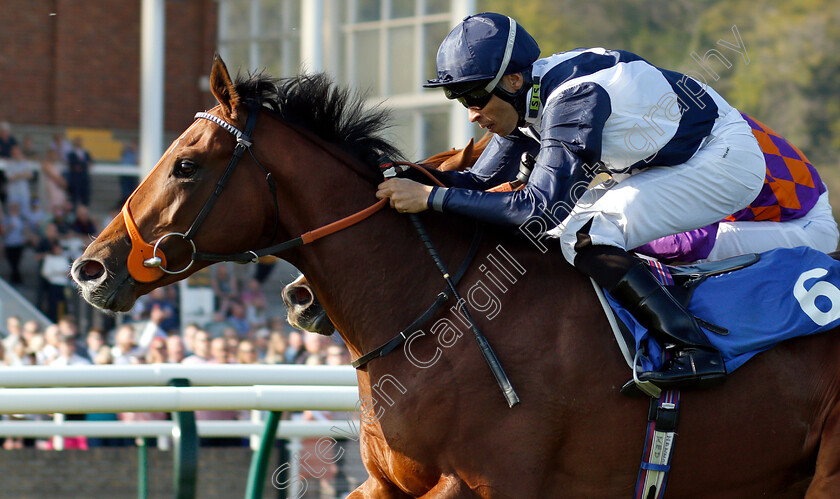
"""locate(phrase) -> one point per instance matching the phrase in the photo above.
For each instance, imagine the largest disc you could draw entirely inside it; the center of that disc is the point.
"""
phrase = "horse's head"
(171, 215)
(232, 185)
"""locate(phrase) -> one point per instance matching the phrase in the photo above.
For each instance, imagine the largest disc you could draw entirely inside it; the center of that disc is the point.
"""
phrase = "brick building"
(75, 64)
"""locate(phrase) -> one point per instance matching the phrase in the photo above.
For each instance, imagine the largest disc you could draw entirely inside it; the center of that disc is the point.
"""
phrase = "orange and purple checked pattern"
(791, 183)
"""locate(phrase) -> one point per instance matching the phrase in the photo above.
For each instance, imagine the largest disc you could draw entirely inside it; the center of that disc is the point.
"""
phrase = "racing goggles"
(474, 96)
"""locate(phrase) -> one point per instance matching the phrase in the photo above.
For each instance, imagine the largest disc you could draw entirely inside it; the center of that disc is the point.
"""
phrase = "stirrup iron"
(646, 387)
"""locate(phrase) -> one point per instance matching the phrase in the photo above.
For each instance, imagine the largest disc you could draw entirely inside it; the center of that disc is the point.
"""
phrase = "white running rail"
(177, 399)
(340, 428)
(162, 374)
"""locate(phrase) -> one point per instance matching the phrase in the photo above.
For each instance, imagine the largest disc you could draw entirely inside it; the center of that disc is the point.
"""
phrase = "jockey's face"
(499, 116)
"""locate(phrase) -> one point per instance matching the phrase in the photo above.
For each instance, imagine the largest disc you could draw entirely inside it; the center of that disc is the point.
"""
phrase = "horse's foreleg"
(449, 487)
(357, 494)
(826, 482)
(373, 488)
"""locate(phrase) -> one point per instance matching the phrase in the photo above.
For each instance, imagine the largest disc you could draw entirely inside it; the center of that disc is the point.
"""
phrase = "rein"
(305, 238)
(315, 234)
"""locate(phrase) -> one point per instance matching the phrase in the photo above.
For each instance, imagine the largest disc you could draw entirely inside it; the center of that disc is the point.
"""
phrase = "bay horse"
(434, 423)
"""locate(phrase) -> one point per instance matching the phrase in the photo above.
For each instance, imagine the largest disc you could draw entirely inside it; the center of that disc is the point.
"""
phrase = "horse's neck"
(373, 278)
(376, 276)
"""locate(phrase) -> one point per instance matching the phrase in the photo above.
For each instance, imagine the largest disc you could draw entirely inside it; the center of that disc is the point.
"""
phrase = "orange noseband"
(140, 252)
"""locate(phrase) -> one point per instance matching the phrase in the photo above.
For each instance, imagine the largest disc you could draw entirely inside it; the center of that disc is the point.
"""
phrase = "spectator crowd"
(44, 209)
(47, 212)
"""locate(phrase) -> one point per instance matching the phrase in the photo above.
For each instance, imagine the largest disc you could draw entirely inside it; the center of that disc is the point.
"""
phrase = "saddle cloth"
(785, 294)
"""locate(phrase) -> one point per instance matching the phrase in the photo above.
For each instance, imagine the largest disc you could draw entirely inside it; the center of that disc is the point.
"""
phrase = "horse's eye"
(184, 168)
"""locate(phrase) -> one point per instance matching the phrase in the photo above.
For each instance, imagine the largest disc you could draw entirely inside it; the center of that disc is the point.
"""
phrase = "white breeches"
(724, 175)
(816, 229)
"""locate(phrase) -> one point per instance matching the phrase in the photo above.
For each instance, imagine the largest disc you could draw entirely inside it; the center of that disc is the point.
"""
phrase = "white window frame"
(254, 37)
(338, 59)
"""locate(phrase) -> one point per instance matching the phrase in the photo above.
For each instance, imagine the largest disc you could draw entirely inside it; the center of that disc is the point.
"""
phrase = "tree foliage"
(789, 79)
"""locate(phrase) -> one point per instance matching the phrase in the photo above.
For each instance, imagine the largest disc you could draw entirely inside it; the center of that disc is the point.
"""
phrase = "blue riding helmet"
(483, 47)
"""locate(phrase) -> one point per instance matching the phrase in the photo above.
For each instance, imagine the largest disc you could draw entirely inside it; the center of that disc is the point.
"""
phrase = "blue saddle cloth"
(787, 293)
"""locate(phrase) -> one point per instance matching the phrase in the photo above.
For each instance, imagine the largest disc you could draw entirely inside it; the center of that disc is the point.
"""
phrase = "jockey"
(682, 156)
(791, 210)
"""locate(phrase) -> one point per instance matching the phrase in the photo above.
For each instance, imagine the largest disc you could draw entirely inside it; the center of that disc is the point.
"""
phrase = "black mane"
(314, 103)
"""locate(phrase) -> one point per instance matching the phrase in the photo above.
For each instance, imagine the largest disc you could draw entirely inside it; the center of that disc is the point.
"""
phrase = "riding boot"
(693, 361)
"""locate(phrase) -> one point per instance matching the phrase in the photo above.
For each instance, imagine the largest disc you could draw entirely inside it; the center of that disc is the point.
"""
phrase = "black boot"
(694, 362)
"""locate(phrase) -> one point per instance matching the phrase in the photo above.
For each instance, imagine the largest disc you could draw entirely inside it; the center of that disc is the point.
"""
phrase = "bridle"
(147, 262)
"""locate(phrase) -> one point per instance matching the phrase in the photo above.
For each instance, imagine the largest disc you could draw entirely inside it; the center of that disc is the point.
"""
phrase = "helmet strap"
(511, 40)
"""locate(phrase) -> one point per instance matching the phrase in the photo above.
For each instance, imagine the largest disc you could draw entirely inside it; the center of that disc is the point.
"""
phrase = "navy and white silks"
(684, 157)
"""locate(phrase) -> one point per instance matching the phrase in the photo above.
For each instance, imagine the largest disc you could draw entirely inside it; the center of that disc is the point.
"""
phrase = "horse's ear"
(223, 88)
(461, 160)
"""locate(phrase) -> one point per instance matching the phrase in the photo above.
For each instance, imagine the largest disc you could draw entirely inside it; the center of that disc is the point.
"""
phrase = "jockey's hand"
(407, 196)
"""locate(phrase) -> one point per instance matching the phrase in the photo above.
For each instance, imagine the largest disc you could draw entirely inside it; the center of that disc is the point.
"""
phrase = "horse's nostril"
(299, 296)
(90, 270)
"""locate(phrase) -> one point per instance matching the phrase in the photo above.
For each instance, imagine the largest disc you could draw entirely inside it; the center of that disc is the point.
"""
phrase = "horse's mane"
(315, 103)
